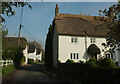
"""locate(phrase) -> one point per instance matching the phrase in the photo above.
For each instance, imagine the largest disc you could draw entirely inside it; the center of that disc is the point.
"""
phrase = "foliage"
(81, 61)
(9, 53)
(92, 61)
(59, 61)
(18, 57)
(7, 69)
(31, 61)
(7, 8)
(23, 59)
(70, 61)
(4, 32)
(113, 23)
(106, 62)
(49, 48)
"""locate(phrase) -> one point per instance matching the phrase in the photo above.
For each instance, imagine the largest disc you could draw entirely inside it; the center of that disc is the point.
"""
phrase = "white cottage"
(33, 51)
(75, 35)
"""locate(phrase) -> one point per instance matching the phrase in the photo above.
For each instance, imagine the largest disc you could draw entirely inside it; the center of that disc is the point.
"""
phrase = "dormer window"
(74, 39)
(92, 40)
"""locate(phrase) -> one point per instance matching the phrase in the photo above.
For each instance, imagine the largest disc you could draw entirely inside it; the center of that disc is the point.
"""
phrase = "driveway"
(30, 74)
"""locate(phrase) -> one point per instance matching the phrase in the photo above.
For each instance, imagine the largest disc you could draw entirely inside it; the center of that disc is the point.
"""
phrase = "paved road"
(29, 74)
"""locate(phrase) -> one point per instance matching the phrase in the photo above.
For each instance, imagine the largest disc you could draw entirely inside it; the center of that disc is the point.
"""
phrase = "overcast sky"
(36, 21)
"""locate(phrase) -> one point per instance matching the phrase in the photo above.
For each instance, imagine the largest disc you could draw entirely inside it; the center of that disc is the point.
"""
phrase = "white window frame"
(92, 40)
(74, 40)
(74, 56)
(109, 56)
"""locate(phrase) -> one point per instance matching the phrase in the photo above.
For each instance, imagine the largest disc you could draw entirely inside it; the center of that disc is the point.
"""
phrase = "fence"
(5, 62)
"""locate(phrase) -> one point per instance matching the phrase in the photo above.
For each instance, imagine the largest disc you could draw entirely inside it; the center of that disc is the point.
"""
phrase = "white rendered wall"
(34, 56)
(66, 47)
(25, 52)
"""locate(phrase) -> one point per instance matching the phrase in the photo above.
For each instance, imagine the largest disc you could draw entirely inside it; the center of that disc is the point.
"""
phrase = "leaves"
(7, 8)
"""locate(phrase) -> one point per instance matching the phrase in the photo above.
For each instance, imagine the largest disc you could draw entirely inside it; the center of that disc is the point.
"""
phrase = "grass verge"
(7, 69)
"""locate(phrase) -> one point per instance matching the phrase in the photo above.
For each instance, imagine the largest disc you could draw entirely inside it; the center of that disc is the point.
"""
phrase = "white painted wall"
(34, 56)
(31, 55)
(65, 47)
(25, 52)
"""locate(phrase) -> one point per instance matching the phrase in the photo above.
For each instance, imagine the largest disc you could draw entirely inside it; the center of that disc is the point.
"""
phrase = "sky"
(36, 21)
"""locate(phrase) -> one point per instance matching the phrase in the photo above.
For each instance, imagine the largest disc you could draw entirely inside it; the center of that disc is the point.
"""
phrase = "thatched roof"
(32, 46)
(93, 49)
(69, 24)
(13, 42)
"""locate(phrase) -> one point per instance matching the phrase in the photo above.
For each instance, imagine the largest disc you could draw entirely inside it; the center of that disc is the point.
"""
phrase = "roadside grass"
(7, 69)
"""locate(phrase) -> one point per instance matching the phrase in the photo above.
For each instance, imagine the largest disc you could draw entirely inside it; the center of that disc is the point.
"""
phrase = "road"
(30, 74)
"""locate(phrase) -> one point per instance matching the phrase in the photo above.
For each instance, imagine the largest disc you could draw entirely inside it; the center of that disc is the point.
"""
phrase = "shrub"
(59, 61)
(81, 61)
(92, 62)
(70, 61)
(18, 58)
(23, 59)
(30, 61)
(106, 62)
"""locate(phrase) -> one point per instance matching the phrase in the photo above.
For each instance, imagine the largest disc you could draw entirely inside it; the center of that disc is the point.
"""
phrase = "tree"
(7, 8)
(112, 21)
(49, 48)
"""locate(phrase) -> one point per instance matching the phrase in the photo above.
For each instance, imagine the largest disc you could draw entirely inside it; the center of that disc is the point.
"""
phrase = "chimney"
(56, 10)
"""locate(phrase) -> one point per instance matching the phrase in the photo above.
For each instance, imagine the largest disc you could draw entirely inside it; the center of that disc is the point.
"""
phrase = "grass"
(7, 69)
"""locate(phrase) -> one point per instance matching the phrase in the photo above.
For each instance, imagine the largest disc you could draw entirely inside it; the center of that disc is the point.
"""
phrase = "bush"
(13, 53)
(59, 61)
(81, 61)
(106, 62)
(31, 61)
(92, 61)
(23, 59)
(70, 61)
(18, 58)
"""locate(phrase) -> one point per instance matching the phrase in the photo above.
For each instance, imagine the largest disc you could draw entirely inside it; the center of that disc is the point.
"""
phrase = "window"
(73, 39)
(109, 55)
(74, 56)
(70, 55)
(92, 40)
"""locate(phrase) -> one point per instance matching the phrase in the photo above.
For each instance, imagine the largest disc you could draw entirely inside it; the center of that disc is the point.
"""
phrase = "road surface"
(31, 74)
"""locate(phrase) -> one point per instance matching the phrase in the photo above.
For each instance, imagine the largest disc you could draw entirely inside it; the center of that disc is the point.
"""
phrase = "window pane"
(70, 55)
(93, 40)
(106, 55)
(111, 57)
(72, 39)
(90, 40)
(74, 55)
(75, 40)
(77, 55)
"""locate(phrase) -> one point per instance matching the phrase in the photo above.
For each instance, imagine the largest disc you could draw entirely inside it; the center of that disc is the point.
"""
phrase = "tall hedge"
(49, 48)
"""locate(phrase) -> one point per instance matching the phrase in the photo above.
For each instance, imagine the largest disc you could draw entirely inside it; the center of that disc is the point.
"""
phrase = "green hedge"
(70, 61)
(7, 69)
(31, 61)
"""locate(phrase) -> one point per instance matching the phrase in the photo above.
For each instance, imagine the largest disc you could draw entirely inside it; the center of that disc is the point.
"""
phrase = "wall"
(66, 47)
(31, 55)
(25, 51)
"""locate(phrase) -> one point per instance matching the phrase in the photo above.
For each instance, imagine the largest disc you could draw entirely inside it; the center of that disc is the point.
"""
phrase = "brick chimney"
(56, 10)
